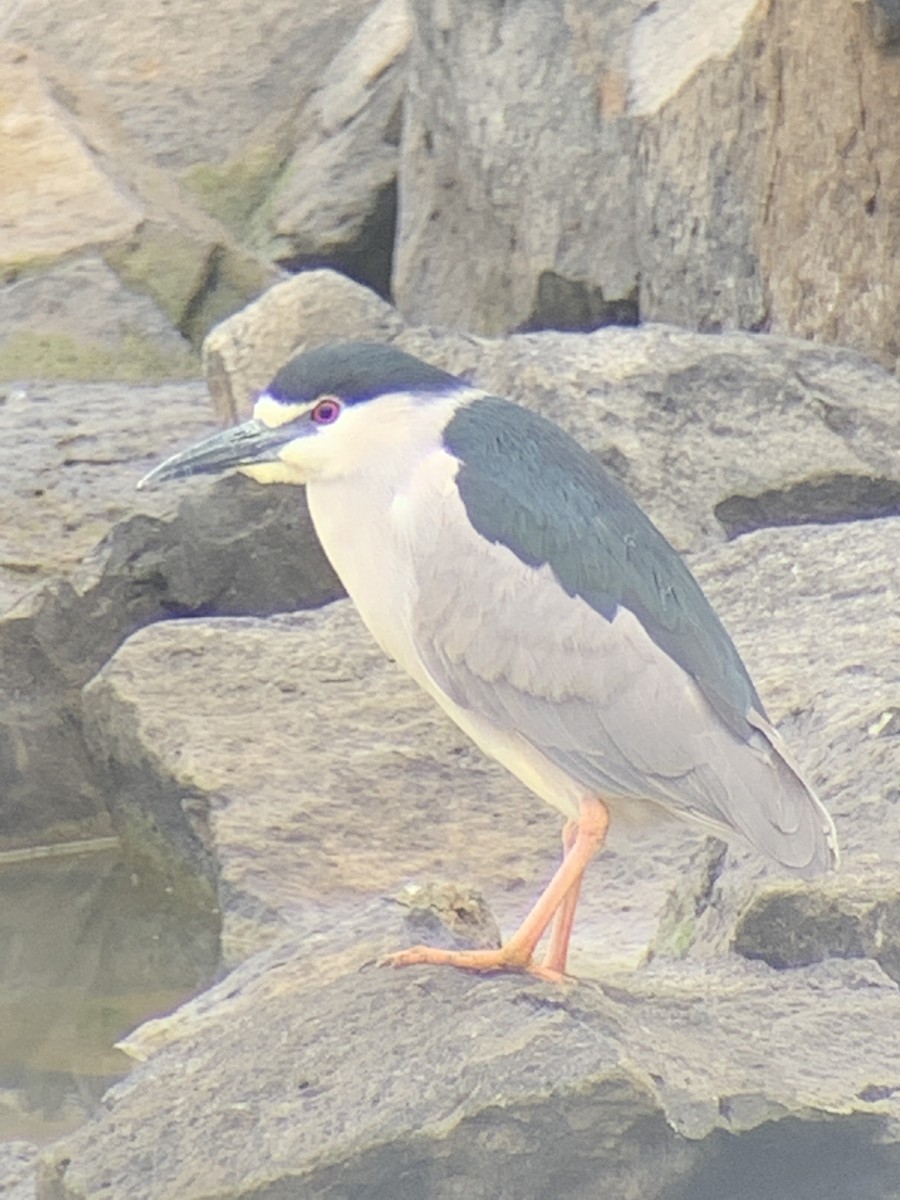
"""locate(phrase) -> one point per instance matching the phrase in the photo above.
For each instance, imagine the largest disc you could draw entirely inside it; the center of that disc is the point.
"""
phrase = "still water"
(90, 946)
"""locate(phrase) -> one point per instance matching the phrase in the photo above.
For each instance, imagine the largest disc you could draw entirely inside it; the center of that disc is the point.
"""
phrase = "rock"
(54, 189)
(507, 219)
(454, 916)
(335, 200)
(49, 330)
(793, 927)
(674, 163)
(70, 458)
(403, 1100)
(242, 354)
(370, 1081)
(885, 17)
(72, 187)
(816, 614)
(54, 639)
(753, 224)
(17, 1167)
(186, 90)
(222, 111)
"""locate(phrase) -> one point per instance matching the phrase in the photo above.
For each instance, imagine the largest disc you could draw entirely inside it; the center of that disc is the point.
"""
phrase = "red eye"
(326, 410)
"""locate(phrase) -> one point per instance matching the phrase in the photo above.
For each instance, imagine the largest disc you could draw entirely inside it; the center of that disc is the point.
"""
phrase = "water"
(90, 946)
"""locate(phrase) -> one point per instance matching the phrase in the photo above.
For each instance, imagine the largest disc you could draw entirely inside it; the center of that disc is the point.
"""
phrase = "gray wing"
(596, 693)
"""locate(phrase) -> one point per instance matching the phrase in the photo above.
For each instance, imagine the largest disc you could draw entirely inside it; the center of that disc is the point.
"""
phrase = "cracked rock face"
(544, 165)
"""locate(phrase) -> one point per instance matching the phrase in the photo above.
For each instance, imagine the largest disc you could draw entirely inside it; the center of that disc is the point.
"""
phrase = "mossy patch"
(135, 358)
(231, 192)
(682, 937)
(196, 283)
(165, 262)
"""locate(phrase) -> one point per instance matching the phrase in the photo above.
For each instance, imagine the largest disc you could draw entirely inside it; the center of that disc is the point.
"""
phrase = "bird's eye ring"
(326, 411)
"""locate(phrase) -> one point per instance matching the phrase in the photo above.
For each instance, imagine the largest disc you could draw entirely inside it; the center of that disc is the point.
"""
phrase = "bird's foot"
(507, 958)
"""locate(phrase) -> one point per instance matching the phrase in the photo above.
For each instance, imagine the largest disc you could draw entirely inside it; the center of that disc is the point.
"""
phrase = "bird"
(519, 584)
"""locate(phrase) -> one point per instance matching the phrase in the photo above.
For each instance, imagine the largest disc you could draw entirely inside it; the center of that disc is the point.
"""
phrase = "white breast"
(359, 536)
(367, 533)
(362, 517)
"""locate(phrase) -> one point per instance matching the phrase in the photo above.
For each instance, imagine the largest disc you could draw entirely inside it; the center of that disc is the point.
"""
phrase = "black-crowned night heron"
(498, 563)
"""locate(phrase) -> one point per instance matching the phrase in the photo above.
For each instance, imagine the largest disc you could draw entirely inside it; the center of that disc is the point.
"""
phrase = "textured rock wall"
(769, 177)
(517, 170)
(556, 164)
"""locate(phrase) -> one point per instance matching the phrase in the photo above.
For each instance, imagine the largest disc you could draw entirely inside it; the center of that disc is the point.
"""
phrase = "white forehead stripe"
(273, 413)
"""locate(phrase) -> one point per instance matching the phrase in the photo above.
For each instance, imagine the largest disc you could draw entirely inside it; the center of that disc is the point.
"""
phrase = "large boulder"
(335, 200)
(717, 166)
(517, 169)
(769, 152)
(188, 90)
(84, 214)
(429, 1083)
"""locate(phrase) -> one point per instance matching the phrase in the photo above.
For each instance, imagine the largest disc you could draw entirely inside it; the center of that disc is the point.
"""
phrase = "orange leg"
(561, 930)
(585, 840)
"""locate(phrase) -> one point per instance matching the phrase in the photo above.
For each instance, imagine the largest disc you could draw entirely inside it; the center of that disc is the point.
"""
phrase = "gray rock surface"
(335, 200)
(505, 220)
(427, 1082)
(17, 1163)
(74, 186)
(823, 605)
(673, 162)
(188, 90)
(121, 334)
(70, 456)
(751, 221)
(84, 561)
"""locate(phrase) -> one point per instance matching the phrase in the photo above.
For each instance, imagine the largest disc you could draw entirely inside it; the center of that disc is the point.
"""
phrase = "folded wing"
(546, 601)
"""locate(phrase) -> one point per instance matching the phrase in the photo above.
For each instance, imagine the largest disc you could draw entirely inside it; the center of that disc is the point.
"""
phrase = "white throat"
(359, 511)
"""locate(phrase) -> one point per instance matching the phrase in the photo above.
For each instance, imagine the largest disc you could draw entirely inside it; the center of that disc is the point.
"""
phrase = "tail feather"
(788, 822)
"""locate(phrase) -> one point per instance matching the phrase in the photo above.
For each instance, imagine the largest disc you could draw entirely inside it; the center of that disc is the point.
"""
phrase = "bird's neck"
(361, 513)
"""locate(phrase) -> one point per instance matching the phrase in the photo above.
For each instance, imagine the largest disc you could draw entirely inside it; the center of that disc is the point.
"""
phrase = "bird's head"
(325, 414)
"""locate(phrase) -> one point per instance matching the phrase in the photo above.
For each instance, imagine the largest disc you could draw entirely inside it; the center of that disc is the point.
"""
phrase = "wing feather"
(596, 694)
